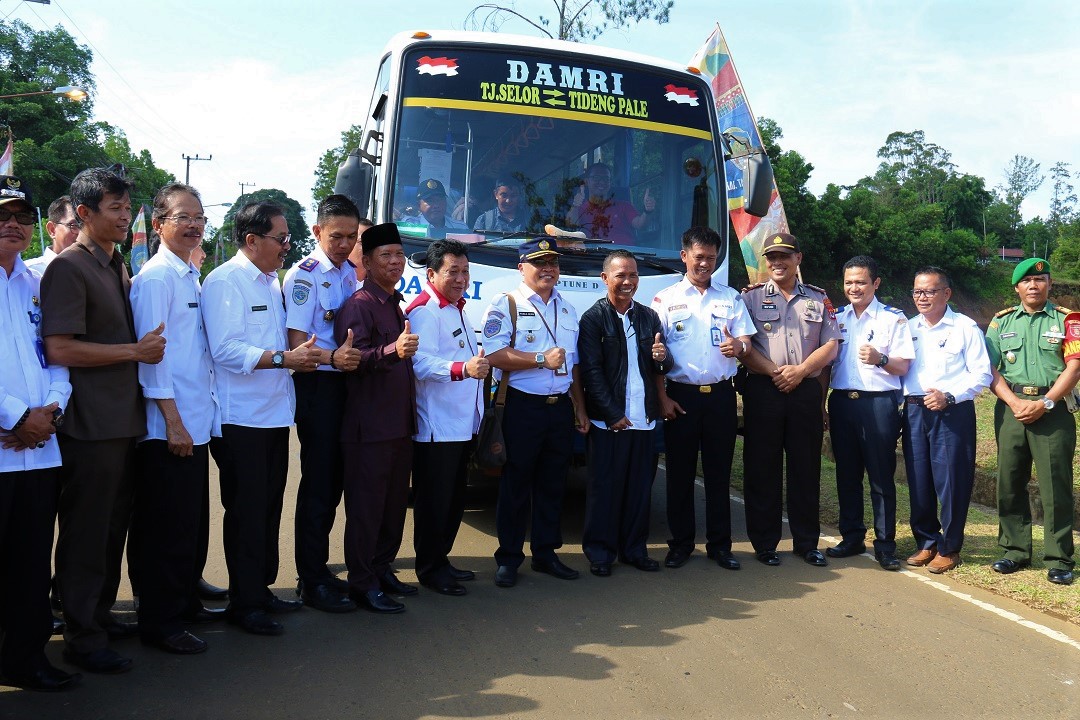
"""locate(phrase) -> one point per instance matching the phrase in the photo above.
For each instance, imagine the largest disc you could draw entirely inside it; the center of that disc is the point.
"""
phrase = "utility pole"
(244, 185)
(189, 159)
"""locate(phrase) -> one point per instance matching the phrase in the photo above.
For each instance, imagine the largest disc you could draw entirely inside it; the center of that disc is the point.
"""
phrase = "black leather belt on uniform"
(915, 400)
(856, 394)
(545, 399)
(706, 389)
(1029, 389)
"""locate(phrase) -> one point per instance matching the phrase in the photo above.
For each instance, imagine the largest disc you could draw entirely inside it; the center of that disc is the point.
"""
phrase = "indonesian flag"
(437, 66)
(681, 95)
(7, 160)
(138, 241)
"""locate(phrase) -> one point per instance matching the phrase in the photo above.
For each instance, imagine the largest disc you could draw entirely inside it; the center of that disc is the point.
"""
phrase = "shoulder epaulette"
(815, 287)
(309, 264)
(1062, 309)
(893, 310)
(1006, 311)
(755, 286)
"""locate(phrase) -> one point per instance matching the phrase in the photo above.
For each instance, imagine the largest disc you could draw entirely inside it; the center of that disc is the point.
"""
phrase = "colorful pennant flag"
(139, 253)
(7, 160)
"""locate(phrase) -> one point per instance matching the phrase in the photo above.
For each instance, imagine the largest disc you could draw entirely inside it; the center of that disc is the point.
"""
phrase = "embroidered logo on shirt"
(300, 294)
(492, 326)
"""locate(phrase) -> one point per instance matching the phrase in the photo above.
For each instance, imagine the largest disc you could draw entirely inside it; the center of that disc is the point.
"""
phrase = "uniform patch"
(309, 264)
(300, 294)
(492, 327)
(673, 308)
(302, 281)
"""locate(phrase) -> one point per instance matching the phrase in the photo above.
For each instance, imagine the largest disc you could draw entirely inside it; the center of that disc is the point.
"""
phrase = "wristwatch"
(539, 358)
(883, 361)
(1048, 403)
(278, 359)
(57, 418)
(950, 399)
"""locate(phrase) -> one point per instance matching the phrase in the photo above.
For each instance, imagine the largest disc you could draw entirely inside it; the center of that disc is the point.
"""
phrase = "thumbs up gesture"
(659, 350)
(478, 367)
(407, 343)
(346, 357)
(151, 347)
(304, 357)
(731, 347)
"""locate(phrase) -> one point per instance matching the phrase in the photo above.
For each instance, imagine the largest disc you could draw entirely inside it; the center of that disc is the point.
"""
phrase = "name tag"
(258, 308)
(457, 332)
(526, 313)
(193, 305)
(1003, 336)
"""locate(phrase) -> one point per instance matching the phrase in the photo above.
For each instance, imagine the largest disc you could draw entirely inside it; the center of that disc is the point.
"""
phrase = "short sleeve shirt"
(788, 331)
(1026, 348)
(314, 292)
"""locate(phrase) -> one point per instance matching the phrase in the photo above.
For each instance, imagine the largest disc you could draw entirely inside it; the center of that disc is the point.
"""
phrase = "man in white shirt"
(33, 394)
(950, 369)
(173, 459)
(62, 227)
(864, 424)
(244, 315)
(449, 373)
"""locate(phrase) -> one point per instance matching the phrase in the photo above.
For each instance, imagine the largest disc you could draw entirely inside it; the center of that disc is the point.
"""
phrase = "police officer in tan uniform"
(796, 339)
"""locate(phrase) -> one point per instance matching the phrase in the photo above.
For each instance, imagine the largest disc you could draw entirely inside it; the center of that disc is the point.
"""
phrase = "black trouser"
(864, 431)
(709, 426)
(439, 478)
(253, 464)
(27, 513)
(621, 469)
(169, 495)
(539, 440)
(96, 489)
(320, 403)
(782, 426)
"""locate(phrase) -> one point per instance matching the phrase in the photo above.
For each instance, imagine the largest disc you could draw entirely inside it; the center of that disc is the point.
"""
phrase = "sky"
(265, 87)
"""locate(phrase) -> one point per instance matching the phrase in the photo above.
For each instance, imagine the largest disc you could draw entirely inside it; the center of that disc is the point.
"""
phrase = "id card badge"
(561, 370)
(717, 337)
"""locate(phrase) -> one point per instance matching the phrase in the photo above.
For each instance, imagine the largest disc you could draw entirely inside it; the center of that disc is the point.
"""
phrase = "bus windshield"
(503, 142)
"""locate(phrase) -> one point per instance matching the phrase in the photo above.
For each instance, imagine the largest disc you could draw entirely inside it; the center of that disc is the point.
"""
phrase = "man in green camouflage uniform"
(1032, 377)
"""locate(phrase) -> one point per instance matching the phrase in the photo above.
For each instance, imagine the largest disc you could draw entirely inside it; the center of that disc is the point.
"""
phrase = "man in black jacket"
(620, 397)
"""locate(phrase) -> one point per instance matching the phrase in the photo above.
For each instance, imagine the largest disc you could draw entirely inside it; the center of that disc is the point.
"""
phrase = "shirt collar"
(443, 302)
(772, 289)
(96, 250)
(250, 269)
(529, 294)
(949, 318)
(175, 262)
(378, 293)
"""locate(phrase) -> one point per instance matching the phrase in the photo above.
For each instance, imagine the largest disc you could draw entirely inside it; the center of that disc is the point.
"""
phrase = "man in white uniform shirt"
(173, 459)
(62, 227)
(33, 394)
(315, 289)
(950, 369)
(245, 325)
(449, 372)
(539, 420)
(864, 424)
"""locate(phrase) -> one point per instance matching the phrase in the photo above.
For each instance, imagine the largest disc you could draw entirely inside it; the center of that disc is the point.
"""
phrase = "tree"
(1021, 179)
(1063, 202)
(326, 170)
(912, 163)
(575, 20)
(301, 243)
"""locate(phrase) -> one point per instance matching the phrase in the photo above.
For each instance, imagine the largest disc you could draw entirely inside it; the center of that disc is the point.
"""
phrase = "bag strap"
(504, 383)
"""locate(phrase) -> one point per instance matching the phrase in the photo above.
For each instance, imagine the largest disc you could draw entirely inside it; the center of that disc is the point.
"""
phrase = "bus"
(601, 149)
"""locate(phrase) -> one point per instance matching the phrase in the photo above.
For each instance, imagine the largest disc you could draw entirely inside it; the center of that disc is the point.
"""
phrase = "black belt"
(856, 394)
(705, 389)
(538, 399)
(1031, 390)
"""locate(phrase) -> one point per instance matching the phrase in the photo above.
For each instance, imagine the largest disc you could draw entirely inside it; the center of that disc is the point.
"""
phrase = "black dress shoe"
(600, 569)
(257, 622)
(48, 679)
(677, 557)
(1005, 566)
(206, 591)
(815, 558)
(105, 661)
(327, 599)
(120, 630)
(846, 548)
(461, 575)
(204, 615)
(57, 626)
(506, 576)
(555, 568)
(391, 585)
(181, 643)
(644, 563)
(725, 559)
(379, 602)
(445, 585)
(277, 606)
(1060, 577)
(887, 561)
(768, 557)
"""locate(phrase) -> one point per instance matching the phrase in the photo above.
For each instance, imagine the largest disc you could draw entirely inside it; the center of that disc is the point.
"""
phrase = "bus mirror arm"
(759, 183)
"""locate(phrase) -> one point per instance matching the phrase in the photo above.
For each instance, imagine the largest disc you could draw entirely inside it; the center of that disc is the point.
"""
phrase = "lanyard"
(544, 320)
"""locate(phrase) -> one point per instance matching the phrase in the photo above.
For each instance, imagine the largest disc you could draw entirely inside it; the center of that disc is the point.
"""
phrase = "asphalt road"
(849, 640)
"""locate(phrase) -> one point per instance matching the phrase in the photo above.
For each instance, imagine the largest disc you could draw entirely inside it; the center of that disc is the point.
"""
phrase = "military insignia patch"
(300, 294)
(309, 264)
(492, 327)
(544, 245)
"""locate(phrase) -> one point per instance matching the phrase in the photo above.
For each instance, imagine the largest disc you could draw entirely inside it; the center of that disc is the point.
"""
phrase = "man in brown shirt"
(379, 422)
(88, 327)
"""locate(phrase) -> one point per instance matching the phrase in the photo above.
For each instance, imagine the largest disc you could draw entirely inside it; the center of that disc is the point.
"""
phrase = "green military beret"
(1031, 266)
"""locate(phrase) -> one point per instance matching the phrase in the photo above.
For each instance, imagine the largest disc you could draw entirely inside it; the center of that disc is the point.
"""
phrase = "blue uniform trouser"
(864, 431)
(939, 455)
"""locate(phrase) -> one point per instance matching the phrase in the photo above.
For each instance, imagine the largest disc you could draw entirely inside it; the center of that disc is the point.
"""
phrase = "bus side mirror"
(354, 181)
(758, 181)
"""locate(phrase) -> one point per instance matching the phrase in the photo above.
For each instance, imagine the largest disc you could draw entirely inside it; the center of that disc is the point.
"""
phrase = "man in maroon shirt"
(379, 422)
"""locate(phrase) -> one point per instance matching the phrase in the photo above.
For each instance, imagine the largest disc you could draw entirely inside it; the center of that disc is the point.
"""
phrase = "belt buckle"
(853, 395)
(551, 399)
(1030, 390)
(706, 389)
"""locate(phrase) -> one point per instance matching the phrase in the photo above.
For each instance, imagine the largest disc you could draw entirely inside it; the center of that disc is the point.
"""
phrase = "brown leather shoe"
(923, 557)
(944, 563)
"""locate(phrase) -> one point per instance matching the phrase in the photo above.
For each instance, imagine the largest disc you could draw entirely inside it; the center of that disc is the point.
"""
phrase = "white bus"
(469, 110)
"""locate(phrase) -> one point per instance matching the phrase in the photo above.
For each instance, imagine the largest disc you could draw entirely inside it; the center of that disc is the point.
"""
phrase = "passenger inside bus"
(509, 213)
(596, 209)
(431, 196)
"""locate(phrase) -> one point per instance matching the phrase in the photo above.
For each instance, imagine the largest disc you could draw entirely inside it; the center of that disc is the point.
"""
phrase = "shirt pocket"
(768, 319)
(678, 326)
(1014, 345)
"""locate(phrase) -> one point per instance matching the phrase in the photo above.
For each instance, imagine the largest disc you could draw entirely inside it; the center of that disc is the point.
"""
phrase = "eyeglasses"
(279, 239)
(550, 262)
(23, 218)
(186, 219)
(925, 293)
(71, 225)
